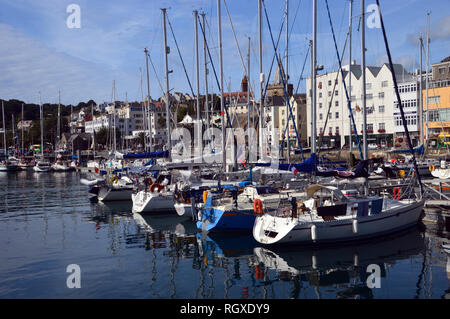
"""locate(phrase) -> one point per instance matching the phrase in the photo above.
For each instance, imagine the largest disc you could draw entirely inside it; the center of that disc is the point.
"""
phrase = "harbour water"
(48, 222)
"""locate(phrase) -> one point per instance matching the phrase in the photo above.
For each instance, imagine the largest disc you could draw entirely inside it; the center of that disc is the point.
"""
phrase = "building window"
(370, 127)
(320, 117)
(320, 105)
(441, 71)
(329, 93)
(381, 95)
(384, 84)
(329, 83)
(337, 115)
(330, 116)
(336, 103)
(336, 92)
(381, 109)
(368, 86)
(320, 94)
(381, 126)
(434, 100)
(337, 130)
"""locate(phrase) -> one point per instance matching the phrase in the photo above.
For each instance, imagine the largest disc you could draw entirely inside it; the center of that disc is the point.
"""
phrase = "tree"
(101, 136)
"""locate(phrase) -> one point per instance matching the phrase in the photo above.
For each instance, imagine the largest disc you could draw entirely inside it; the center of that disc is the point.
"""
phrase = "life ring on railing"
(431, 168)
(397, 192)
(114, 179)
(257, 207)
(158, 186)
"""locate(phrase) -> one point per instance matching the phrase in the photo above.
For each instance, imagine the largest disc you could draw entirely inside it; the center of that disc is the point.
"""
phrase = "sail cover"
(307, 166)
(160, 154)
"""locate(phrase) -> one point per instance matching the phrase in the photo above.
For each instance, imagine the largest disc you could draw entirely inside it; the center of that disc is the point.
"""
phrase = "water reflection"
(48, 222)
(236, 266)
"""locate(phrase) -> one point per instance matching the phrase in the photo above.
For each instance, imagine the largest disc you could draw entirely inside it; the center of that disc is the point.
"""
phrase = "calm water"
(47, 223)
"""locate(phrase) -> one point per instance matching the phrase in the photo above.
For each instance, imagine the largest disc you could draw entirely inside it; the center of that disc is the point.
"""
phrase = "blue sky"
(39, 53)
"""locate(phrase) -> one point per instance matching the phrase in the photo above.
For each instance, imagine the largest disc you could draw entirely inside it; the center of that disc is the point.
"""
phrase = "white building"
(332, 101)
(409, 95)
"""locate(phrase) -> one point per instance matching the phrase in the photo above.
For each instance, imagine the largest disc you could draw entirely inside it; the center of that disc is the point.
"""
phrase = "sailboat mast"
(22, 132)
(313, 79)
(93, 130)
(144, 113)
(59, 116)
(420, 110)
(350, 33)
(222, 101)
(363, 78)
(166, 52)
(4, 129)
(261, 81)
(206, 76)
(13, 133)
(248, 97)
(197, 78)
(149, 114)
(288, 146)
(427, 75)
(42, 125)
(114, 116)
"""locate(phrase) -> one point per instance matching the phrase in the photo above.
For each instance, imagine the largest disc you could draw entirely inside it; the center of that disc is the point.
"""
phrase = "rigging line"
(179, 53)
(343, 81)
(238, 47)
(154, 70)
(303, 69)
(332, 96)
(399, 100)
(291, 116)
(214, 69)
(273, 61)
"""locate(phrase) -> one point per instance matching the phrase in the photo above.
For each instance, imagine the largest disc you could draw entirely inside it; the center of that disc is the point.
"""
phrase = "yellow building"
(438, 107)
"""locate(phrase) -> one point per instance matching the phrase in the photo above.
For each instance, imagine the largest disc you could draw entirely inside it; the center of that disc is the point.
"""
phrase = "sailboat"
(8, 164)
(327, 215)
(42, 165)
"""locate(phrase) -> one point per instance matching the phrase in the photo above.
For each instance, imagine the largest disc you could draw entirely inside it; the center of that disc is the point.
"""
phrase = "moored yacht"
(327, 216)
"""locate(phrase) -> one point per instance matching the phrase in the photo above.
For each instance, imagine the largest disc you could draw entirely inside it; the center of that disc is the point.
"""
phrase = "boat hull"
(338, 230)
(147, 202)
(217, 220)
(109, 194)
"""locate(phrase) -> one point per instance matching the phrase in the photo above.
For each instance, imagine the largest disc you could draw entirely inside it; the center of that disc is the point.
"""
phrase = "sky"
(40, 54)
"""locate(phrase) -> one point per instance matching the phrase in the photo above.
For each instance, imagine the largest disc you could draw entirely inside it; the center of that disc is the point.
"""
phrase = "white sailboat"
(10, 164)
(327, 215)
(42, 165)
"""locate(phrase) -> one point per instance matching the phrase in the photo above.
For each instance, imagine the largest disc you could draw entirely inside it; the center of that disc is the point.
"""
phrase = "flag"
(221, 114)
(294, 170)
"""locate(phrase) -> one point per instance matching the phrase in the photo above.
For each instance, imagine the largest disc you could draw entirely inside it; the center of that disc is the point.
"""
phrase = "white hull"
(61, 168)
(271, 229)
(441, 173)
(147, 202)
(42, 169)
(108, 194)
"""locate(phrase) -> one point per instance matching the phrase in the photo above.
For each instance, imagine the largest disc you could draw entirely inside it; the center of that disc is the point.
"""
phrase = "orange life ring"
(257, 207)
(156, 185)
(150, 181)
